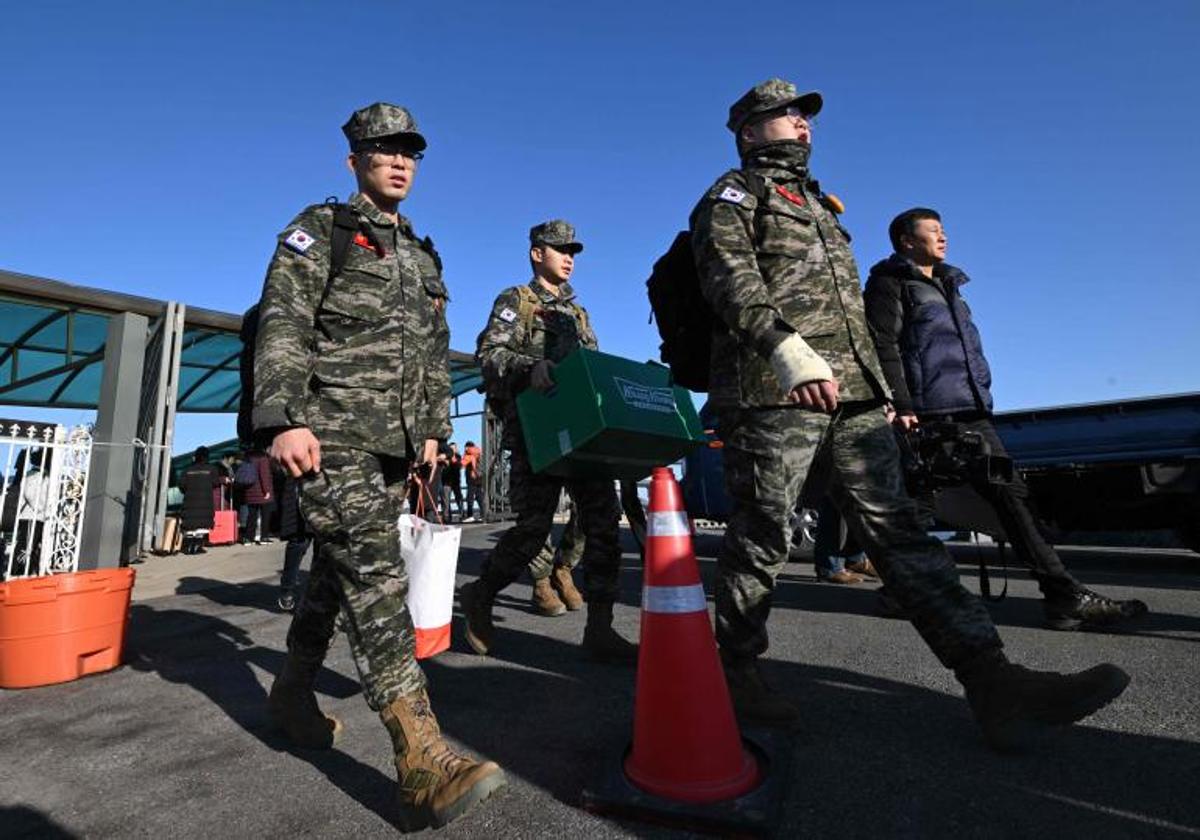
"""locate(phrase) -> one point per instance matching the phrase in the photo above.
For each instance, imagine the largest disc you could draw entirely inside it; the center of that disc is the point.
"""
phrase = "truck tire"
(1189, 535)
(804, 534)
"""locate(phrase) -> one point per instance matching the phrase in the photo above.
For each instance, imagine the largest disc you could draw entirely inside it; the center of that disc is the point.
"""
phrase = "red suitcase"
(225, 526)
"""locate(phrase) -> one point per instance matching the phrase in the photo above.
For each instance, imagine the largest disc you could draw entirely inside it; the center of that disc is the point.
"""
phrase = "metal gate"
(42, 499)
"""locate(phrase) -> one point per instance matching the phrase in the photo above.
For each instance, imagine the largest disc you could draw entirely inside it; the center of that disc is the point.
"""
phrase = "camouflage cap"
(382, 120)
(556, 233)
(768, 96)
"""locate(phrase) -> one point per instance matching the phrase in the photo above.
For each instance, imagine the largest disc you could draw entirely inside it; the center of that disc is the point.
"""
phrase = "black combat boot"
(1017, 707)
(754, 700)
(292, 706)
(601, 641)
(477, 598)
(1083, 608)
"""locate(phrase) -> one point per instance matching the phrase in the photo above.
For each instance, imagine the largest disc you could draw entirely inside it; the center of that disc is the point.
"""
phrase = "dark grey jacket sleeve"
(885, 317)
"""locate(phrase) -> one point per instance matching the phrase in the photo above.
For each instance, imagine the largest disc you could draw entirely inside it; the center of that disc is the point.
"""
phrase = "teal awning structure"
(52, 338)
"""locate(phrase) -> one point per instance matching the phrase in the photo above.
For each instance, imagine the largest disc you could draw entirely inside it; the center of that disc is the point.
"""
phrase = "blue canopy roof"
(52, 338)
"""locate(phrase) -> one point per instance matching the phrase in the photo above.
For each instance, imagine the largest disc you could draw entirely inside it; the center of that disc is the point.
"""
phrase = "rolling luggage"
(225, 526)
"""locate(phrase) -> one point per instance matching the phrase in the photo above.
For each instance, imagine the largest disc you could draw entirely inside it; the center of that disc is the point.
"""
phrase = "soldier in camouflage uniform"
(352, 387)
(798, 387)
(531, 328)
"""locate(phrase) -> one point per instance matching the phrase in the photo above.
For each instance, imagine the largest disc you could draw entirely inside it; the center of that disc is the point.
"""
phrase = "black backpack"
(346, 225)
(684, 318)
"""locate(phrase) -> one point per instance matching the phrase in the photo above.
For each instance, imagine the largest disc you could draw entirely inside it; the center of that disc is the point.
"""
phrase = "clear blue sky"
(157, 148)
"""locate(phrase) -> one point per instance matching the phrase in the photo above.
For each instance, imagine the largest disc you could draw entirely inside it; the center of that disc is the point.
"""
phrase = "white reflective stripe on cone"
(673, 599)
(668, 523)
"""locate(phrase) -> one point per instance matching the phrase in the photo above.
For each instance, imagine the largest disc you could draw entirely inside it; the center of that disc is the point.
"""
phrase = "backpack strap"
(581, 313)
(527, 304)
(346, 225)
(758, 187)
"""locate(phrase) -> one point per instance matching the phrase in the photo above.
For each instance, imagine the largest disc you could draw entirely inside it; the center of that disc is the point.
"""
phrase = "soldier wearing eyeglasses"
(352, 387)
(796, 380)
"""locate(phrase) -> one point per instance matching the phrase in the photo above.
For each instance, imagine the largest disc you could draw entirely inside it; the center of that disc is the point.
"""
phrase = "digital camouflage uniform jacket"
(365, 362)
(775, 266)
(527, 324)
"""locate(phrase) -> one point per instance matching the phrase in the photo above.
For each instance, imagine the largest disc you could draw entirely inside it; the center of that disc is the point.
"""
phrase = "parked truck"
(1126, 465)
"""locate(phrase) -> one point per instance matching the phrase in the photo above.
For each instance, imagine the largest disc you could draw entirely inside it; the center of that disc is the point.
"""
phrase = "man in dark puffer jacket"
(932, 357)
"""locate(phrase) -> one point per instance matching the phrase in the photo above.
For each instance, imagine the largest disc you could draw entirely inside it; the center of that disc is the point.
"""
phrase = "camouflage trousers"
(570, 548)
(534, 497)
(353, 508)
(768, 454)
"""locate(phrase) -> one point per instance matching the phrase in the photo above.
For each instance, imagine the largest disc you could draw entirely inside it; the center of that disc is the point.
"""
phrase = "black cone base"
(754, 814)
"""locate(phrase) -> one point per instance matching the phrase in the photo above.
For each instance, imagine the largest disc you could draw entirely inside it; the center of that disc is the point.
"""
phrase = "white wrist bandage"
(795, 363)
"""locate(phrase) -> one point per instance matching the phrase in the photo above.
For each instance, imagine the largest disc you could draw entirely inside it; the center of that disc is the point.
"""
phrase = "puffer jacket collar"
(902, 267)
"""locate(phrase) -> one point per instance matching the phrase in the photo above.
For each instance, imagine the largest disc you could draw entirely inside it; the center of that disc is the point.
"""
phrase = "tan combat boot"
(564, 584)
(545, 599)
(292, 707)
(602, 642)
(436, 784)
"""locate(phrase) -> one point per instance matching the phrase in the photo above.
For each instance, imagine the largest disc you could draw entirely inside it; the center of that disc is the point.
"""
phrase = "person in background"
(473, 466)
(256, 482)
(199, 481)
(452, 482)
(28, 506)
(837, 558)
(932, 356)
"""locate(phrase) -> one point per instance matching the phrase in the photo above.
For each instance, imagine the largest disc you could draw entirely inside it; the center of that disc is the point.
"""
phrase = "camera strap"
(985, 582)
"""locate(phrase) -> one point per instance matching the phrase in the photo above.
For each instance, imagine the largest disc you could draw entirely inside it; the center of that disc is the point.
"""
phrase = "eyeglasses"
(388, 152)
(797, 113)
(794, 112)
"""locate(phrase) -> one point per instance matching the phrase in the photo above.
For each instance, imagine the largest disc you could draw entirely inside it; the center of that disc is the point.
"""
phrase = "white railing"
(42, 498)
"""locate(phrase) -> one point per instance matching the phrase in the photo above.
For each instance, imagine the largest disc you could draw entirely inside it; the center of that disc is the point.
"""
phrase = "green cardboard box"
(608, 417)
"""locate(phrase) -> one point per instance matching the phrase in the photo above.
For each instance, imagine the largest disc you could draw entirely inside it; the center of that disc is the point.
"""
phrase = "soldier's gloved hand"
(298, 451)
(541, 378)
(821, 395)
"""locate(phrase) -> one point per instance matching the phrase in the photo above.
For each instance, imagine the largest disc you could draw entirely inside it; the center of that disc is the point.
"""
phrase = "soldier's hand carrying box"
(607, 417)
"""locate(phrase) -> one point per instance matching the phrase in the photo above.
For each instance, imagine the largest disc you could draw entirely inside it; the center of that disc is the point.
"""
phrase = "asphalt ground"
(176, 743)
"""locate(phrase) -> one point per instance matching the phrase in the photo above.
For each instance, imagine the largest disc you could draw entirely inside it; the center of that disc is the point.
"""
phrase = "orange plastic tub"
(58, 628)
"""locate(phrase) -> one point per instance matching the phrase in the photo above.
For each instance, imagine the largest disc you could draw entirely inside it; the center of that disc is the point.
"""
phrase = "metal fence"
(42, 498)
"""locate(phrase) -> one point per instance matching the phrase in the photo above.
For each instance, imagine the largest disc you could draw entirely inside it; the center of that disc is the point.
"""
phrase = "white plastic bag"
(430, 554)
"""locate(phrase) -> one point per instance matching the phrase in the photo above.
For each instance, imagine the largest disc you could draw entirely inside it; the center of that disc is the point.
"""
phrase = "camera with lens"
(942, 454)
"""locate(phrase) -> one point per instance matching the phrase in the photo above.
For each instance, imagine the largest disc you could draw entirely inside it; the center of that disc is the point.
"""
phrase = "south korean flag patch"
(299, 240)
(507, 315)
(732, 196)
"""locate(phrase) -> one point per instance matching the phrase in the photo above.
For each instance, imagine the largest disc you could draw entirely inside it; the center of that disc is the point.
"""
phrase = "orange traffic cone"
(686, 743)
